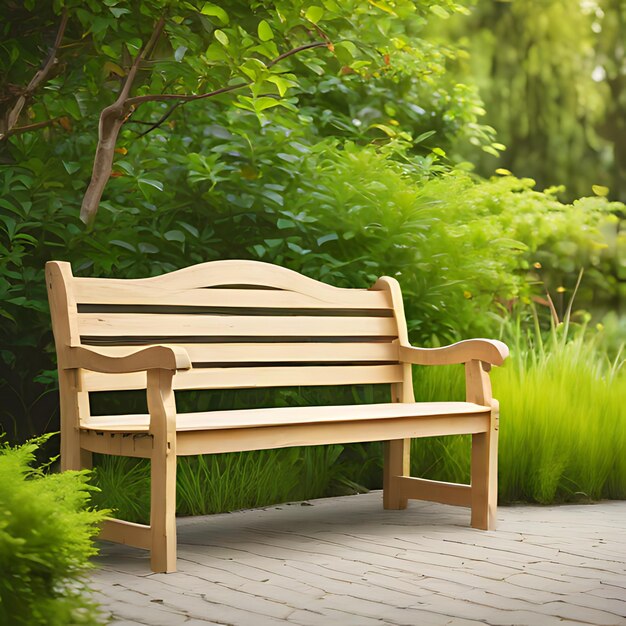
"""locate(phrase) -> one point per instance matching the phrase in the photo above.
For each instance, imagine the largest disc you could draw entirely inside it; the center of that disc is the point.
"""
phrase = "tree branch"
(111, 120)
(113, 117)
(24, 129)
(162, 119)
(138, 100)
(39, 77)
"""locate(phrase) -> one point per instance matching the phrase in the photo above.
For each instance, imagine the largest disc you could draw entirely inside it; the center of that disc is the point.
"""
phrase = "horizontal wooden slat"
(218, 441)
(128, 533)
(250, 377)
(125, 292)
(435, 491)
(276, 352)
(279, 416)
(155, 325)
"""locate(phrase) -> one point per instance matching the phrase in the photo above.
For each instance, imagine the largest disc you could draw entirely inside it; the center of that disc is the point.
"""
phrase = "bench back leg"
(397, 456)
(484, 490)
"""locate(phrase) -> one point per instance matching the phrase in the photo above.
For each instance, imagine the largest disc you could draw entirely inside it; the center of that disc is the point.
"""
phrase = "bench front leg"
(162, 408)
(484, 481)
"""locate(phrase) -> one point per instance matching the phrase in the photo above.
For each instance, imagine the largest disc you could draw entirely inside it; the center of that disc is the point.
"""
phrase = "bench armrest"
(140, 359)
(487, 350)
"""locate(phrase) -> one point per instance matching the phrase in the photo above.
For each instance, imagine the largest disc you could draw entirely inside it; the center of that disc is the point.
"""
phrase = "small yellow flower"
(537, 265)
(561, 289)
(467, 294)
(599, 327)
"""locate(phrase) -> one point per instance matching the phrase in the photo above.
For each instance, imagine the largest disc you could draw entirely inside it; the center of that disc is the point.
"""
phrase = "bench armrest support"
(486, 350)
(141, 359)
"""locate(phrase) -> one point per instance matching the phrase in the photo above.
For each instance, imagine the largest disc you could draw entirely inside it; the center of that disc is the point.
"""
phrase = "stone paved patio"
(346, 561)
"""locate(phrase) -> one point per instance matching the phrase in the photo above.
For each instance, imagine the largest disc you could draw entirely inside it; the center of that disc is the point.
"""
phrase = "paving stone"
(346, 561)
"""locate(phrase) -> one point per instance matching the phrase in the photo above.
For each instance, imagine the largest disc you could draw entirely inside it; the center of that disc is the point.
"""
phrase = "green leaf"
(180, 53)
(213, 10)
(118, 12)
(157, 184)
(325, 238)
(281, 84)
(71, 166)
(222, 37)
(290, 158)
(265, 31)
(281, 223)
(148, 248)
(175, 235)
(314, 14)
(346, 51)
(439, 11)
(260, 104)
(424, 136)
(123, 244)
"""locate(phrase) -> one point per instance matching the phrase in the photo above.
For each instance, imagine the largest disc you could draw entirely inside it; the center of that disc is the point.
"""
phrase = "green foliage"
(551, 74)
(224, 482)
(46, 529)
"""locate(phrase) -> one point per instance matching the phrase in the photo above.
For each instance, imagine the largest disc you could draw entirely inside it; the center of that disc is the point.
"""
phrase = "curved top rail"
(237, 272)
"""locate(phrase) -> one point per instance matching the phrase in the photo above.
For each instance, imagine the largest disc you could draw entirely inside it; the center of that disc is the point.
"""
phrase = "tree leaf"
(180, 53)
(213, 10)
(175, 235)
(439, 11)
(157, 184)
(265, 31)
(314, 14)
(222, 37)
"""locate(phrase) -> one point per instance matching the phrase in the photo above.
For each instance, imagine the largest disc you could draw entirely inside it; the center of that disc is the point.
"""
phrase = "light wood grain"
(487, 350)
(138, 359)
(246, 324)
(107, 291)
(128, 533)
(396, 462)
(162, 407)
(285, 416)
(335, 352)
(434, 490)
(218, 441)
(251, 377)
(156, 325)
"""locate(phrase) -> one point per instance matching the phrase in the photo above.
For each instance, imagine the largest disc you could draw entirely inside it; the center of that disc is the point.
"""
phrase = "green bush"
(46, 529)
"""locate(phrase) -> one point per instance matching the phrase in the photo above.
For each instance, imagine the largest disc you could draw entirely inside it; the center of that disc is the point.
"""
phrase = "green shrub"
(46, 529)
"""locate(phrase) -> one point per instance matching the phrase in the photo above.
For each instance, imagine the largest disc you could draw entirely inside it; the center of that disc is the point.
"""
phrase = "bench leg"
(163, 513)
(484, 486)
(396, 463)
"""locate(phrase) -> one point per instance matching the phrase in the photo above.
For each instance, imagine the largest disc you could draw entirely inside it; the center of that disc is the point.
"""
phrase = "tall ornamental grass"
(562, 424)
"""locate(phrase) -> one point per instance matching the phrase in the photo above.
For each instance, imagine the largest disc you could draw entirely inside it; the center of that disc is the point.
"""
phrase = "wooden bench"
(246, 324)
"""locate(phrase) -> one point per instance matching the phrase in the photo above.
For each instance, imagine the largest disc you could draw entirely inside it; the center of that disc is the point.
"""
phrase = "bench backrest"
(244, 324)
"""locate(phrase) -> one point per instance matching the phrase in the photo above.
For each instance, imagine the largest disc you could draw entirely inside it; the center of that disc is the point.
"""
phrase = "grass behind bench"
(562, 437)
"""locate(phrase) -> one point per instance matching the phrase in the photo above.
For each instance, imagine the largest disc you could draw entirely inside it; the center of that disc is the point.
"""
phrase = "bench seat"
(286, 416)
